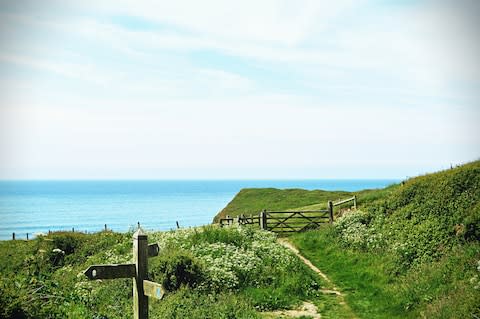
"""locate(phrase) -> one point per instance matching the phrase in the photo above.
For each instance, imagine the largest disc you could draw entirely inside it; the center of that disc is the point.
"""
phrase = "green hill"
(410, 251)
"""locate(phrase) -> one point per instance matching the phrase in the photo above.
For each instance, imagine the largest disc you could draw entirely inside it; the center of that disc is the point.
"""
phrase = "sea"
(36, 207)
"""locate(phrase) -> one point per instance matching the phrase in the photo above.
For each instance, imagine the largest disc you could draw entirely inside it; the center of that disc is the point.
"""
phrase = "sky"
(237, 89)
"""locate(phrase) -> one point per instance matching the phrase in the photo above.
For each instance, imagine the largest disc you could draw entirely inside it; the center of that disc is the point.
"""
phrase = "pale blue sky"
(248, 89)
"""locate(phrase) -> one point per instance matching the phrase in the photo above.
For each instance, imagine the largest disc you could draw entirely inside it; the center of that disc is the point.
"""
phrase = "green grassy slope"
(253, 200)
(412, 250)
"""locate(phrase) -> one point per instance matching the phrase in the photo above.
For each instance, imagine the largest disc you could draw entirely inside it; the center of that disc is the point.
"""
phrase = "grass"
(411, 251)
(440, 289)
(361, 276)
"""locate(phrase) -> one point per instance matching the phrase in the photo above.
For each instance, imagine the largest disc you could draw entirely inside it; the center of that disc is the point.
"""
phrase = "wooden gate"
(287, 222)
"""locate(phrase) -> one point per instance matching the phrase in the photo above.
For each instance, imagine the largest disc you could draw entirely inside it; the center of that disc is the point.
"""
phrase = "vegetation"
(412, 250)
(209, 272)
(409, 251)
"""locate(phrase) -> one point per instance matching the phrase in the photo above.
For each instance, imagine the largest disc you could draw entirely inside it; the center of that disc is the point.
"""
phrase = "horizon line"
(194, 179)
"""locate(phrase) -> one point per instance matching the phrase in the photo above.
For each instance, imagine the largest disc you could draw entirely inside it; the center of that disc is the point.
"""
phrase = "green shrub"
(67, 242)
(176, 268)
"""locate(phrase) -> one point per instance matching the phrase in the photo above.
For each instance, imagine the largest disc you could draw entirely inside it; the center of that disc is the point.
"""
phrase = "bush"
(176, 268)
(359, 229)
(67, 242)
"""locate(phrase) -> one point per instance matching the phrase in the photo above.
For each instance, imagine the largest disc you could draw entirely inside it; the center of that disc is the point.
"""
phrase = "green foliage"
(413, 248)
(35, 284)
(186, 303)
(175, 268)
(243, 258)
(212, 234)
(210, 272)
(67, 241)
(357, 230)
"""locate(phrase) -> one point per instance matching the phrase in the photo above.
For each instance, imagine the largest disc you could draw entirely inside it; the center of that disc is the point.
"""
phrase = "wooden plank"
(152, 289)
(296, 225)
(344, 201)
(300, 211)
(153, 250)
(285, 232)
(110, 271)
(299, 217)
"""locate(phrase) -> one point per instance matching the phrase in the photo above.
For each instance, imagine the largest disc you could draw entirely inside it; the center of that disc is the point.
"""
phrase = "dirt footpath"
(307, 309)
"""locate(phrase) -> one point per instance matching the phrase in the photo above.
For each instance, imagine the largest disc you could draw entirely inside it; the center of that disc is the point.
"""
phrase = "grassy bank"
(411, 251)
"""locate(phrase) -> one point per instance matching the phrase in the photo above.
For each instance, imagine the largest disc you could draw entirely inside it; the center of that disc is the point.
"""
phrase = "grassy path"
(341, 309)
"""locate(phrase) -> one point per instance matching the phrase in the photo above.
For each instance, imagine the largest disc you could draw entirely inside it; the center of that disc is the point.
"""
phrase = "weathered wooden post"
(142, 288)
(13, 236)
(27, 236)
(263, 220)
(354, 201)
(140, 301)
(178, 226)
(243, 219)
(330, 211)
(105, 227)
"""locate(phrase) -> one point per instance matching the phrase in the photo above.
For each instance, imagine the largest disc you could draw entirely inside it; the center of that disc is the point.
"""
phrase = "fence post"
(13, 236)
(105, 227)
(263, 220)
(330, 211)
(354, 201)
(178, 226)
(140, 301)
(27, 236)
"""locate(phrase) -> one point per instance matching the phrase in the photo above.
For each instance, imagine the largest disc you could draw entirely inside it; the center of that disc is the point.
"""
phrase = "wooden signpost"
(142, 288)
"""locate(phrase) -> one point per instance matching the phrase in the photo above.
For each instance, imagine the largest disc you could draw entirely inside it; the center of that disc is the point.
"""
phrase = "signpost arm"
(140, 300)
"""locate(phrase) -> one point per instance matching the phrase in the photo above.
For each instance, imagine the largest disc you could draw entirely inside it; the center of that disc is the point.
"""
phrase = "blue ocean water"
(38, 206)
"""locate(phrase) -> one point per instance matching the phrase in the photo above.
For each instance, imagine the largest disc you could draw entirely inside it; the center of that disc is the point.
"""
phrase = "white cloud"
(373, 89)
